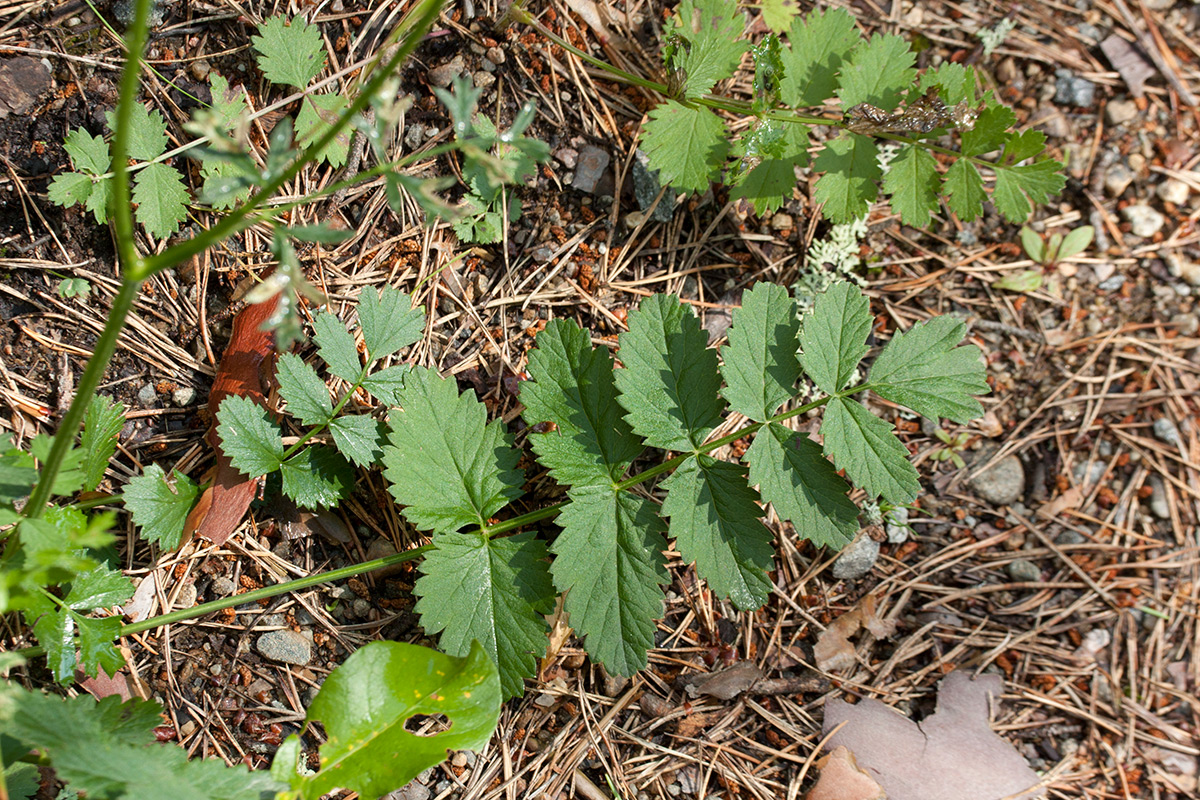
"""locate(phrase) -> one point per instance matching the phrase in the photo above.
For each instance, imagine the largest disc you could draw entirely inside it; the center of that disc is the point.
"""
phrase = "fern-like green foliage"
(804, 64)
(453, 473)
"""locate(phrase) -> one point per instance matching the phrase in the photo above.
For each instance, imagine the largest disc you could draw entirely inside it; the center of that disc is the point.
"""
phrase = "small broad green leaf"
(290, 52)
(1027, 280)
(17, 474)
(714, 521)
(88, 153)
(101, 426)
(1039, 180)
(96, 648)
(926, 369)
(55, 631)
(761, 367)
(100, 587)
(686, 144)
(609, 560)
(572, 386)
(385, 383)
(670, 381)
(229, 104)
(964, 191)
(161, 199)
(107, 749)
(317, 477)
(318, 113)
(913, 183)
(711, 30)
(445, 465)
(365, 704)
(879, 72)
(336, 346)
(1033, 244)
(794, 476)
(820, 43)
(865, 447)
(23, 781)
(834, 338)
(1023, 145)
(249, 436)
(1076, 241)
(359, 437)
(158, 510)
(389, 321)
(773, 177)
(147, 133)
(226, 182)
(98, 200)
(851, 167)
(70, 475)
(778, 14)
(956, 82)
(494, 591)
(306, 394)
(68, 188)
(989, 131)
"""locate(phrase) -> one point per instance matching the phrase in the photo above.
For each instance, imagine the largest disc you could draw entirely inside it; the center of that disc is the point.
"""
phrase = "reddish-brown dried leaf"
(841, 779)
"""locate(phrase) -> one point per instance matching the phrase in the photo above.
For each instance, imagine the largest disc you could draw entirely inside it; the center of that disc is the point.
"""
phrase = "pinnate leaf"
(99, 587)
(158, 510)
(834, 338)
(778, 14)
(686, 144)
(494, 591)
(365, 703)
(670, 382)
(385, 383)
(88, 153)
(336, 346)
(389, 321)
(317, 477)
(851, 169)
(292, 53)
(761, 368)
(1018, 189)
(147, 133)
(794, 476)
(318, 113)
(572, 386)
(866, 447)
(926, 369)
(714, 521)
(359, 437)
(609, 560)
(445, 465)
(913, 183)
(711, 29)
(97, 201)
(989, 131)
(229, 104)
(68, 188)
(249, 436)
(161, 199)
(879, 72)
(820, 43)
(964, 191)
(306, 394)
(101, 426)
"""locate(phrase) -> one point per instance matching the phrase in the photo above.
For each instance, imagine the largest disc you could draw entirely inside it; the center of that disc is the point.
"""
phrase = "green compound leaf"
(761, 368)
(926, 370)
(778, 14)
(956, 83)
(292, 53)
(359, 437)
(69, 188)
(101, 426)
(385, 383)
(834, 338)
(336, 346)
(227, 104)
(572, 386)
(866, 448)
(820, 43)
(365, 703)
(147, 133)
(773, 177)
(107, 750)
(495, 591)
(794, 476)
(88, 153)
(879, 73)
(317, 477)
(249, 436)
(714, 521)
(989, 132)
(445, 465)
(23, 781)
(609, 560)
(99, 587)
(156, 509)
(17, 472)
(687, 145)
(98, 200)
(56, 626)
(1040, 181)
(161, 199)
(306, 394)
(711, 52)
(96, 648)
(963, 186)
(318, 113)
(389, 321)
(670, 382)
(913, 183)
(851, 167)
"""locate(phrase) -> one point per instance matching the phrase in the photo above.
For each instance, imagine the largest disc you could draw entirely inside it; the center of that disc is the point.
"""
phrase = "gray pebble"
(1173, 191)
(413, 791)
(857, 559)
(1112, 284)
(590, 168)
(184, 396)
(1144, 221)
(1003, 483)
(147, 396)
(1159, 506)
(897, 526)
(1070, 89)
(444, 75)
(361, 608)
(187, 596)
(567, 156)
(413, 136)
(646, 187)
(1120, 111)
(1166, 431)
(222, 587)
(125, 10)
(483, 79)
(496, 55)
(1117, 179)
(1023, 571)
(287, 647)
(1069, 538)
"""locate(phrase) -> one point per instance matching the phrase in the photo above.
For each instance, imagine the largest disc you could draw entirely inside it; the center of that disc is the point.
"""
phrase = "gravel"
(646, 188)
(1159, 506)
(444, 75)
(1003, 483)
(589, 168)
(1144, 221)
(1117, 179)
(287, 647)
(184, 396)
(147, 396)
(1165, 431)
(222, 587)
(1120, 111)
(857, 559)
(1071, 90)
(1173, 191)
(897, 525)
(1024, 571)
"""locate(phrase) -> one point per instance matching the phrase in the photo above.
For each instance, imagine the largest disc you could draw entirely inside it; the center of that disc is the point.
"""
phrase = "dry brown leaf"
(724, 684)
(1069, 500)
(1127, 60)
(841, 779)
(833, 650)
(951, 755)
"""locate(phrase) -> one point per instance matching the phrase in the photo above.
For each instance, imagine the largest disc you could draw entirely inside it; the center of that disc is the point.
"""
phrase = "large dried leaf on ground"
(841, 779)
(951, 755)
(834, 650)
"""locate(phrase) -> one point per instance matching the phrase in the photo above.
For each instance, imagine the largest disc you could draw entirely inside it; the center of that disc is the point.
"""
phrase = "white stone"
(1173, 191)
(1144, 221)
